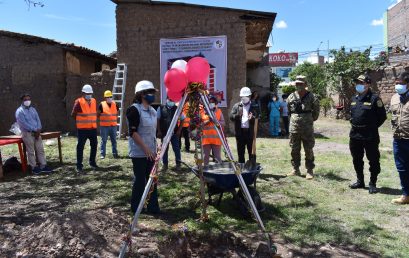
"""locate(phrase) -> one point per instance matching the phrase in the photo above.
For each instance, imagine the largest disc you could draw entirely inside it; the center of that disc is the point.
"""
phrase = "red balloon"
(175, 96)
(198, 70)
(175, 80)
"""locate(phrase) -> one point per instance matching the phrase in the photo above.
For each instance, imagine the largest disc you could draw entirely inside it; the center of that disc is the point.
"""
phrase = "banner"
(282, 59)
(214, 49)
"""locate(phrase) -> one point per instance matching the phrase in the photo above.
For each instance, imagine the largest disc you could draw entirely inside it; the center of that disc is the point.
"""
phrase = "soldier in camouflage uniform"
(304, 109)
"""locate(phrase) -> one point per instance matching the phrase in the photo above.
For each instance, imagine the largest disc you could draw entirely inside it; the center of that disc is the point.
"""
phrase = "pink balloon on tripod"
(175, 96)
(175, 80)
(198, 70)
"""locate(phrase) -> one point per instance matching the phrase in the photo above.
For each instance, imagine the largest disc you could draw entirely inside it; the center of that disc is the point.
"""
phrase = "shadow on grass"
(332, 176)
(320, 136)
(266, 177)
(390, 191)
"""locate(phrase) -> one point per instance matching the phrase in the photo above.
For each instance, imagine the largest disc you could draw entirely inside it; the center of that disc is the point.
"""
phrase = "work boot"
(310, 174)
(178, 167)
(402, 200)
(295, 172)
(116, 156)
(372, 188)
(358, 184)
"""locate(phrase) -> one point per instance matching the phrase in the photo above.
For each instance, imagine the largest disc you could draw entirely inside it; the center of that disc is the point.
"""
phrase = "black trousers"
(244, 141)
(185, 135)
(371, 148)
(286, 124)
(83, 136)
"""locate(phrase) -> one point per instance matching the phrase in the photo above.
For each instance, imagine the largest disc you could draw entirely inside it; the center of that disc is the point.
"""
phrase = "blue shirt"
(27, 118)
(285, 108)
(274, 107)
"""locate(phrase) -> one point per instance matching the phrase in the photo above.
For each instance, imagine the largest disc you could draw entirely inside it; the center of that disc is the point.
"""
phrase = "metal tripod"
(165, 144)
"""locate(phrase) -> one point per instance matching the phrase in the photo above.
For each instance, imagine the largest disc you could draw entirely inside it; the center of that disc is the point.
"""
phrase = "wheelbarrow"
(220, 178)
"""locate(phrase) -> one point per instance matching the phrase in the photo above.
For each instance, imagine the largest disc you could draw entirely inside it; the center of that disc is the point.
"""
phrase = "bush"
(288, 89)
(326, 104)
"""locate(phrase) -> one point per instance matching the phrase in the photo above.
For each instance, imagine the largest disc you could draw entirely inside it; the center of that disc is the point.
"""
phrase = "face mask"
(170, 103)
(150, 98)
(360, 88)
(109, 100)
(27, 103)
(400, 89)
(88, 97)
(212, 105)
(274, 99)
(300, 87)
(245, 100)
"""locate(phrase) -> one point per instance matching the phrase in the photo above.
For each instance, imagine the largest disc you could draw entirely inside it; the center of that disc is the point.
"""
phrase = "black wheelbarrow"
(220, 178)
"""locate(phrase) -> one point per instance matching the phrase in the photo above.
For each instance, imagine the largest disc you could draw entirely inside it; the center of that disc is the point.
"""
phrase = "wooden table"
(16, 139)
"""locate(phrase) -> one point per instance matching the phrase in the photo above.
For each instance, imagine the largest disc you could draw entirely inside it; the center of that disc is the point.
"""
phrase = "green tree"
(348, 65)
(315, 76)
(274, 82)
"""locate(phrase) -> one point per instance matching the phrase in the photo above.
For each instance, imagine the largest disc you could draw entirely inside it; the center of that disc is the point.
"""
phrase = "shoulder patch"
(379, 103)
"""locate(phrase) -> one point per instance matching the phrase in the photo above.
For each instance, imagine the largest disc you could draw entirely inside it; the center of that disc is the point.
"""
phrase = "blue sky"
(301, 25)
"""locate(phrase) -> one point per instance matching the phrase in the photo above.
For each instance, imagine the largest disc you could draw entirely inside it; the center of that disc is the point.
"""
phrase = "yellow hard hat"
(107, 94)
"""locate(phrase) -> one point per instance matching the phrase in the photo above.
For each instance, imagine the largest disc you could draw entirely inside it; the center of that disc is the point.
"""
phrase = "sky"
(301, 25)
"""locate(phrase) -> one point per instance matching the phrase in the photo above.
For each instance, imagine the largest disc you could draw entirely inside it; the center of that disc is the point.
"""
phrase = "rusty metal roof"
(67, 46)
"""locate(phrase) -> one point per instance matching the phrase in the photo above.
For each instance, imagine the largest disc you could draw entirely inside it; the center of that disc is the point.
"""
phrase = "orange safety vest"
(210, 135)
(87, 119)
(109, 115)
(186, 121)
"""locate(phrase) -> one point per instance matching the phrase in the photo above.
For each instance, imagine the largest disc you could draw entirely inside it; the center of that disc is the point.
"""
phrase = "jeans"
(185, 135)
(174, 141)
(274, 125)
(401, 154)
(141, 169)
(105, 132)
(371, 147)
(83, 135)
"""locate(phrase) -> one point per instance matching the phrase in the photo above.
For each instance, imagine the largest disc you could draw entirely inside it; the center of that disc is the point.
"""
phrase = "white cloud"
(377, 22)
(281, 25)
(63, 18)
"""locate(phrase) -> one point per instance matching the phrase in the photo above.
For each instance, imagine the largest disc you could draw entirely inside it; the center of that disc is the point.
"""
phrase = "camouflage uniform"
(304, 111)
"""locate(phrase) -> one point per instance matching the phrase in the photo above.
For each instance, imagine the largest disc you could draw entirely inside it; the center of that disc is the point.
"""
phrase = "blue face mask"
(150, 98)
(401, 89)
(88, 97)
(170, 103)
(360, 88)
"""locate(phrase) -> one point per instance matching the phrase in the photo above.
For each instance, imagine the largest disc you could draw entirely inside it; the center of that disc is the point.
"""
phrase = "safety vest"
(210, 135)
(87, 119)
(186, 121)
(109, 115)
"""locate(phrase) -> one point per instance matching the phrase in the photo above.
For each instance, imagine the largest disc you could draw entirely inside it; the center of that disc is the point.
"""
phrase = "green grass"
(303, 213)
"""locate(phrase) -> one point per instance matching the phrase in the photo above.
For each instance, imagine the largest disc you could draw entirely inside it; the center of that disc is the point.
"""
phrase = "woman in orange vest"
(108, 115)
(210, 139)
(85, 114)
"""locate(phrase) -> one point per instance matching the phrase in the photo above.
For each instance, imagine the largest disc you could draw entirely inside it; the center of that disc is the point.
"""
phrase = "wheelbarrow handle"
(190, 167)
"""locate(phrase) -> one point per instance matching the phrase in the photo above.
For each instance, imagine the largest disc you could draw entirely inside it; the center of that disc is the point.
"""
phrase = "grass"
(303, 213)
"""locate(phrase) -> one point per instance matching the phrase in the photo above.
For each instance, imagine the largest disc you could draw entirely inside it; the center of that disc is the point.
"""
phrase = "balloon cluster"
(182, 73)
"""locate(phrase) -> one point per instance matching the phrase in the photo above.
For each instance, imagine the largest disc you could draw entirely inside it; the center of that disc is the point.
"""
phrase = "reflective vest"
(186, 121)
(87, 119)
(210, 135)
(109, 115)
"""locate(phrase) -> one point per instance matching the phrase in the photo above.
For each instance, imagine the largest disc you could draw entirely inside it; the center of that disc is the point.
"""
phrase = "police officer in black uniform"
(367, 115)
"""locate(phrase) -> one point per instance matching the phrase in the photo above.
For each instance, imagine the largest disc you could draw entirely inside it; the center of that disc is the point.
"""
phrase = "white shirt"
(245, 117)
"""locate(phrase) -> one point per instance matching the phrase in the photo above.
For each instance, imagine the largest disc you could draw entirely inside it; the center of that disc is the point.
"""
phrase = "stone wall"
(140, 27)
(398, 18)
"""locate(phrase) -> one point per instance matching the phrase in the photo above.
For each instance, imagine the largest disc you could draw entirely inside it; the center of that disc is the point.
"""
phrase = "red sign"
(283, 59)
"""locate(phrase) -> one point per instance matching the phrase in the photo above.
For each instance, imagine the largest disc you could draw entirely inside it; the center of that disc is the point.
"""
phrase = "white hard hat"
(144, 85)
(245, 92)
(87, 89)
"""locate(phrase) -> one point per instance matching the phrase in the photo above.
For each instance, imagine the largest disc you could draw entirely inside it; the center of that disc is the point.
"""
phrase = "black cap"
(25, 95)
(363, 78)
(404, 77)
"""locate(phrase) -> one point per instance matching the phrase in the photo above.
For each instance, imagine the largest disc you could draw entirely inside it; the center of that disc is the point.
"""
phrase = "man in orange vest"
(210, 139)
(85, 114)
(185, 129)
(108, 114)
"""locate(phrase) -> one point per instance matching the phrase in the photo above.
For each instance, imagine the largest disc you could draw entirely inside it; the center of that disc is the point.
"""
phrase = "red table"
(19, 142)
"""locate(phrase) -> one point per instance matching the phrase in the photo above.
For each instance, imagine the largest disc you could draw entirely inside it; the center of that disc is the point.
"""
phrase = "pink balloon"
(198, 70)
(175, 80)
(175, 96)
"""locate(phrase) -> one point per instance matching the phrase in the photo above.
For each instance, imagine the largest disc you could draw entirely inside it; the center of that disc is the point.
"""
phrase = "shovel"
(252, 163)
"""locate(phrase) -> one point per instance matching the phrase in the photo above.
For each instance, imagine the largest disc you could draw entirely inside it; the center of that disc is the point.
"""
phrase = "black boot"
(372, 188)
(358, 184)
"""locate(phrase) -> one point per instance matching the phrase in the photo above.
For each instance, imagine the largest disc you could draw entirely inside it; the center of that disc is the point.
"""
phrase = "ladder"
(118, 94)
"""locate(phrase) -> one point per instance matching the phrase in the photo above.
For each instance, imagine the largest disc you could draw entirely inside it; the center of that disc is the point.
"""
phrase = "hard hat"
(245, 92)
(107, 94)
(87, 89)
(144, 85)
(213, 97)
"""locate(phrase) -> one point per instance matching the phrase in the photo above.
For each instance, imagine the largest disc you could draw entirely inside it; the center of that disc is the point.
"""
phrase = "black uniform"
(367, 115)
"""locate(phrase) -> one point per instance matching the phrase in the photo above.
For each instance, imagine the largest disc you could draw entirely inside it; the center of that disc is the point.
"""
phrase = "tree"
(346, 67)
(34, 3)
(274, 82)
(315, 77)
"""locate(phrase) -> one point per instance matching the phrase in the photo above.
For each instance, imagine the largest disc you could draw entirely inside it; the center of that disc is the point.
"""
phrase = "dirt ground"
(33, 224)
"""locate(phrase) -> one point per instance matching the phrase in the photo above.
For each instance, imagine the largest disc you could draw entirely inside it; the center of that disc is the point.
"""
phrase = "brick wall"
(398, 24)
(140, 27)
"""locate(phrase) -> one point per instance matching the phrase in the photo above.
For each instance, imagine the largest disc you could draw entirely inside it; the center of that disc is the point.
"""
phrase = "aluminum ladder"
(118, 94)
